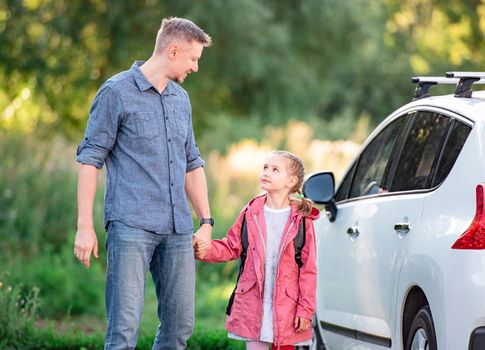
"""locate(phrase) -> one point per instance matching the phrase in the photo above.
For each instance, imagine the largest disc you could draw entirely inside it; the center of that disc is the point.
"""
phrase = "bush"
(38, 195)
(17, 329)
(17, 315)
(49, 339)
(65, 287)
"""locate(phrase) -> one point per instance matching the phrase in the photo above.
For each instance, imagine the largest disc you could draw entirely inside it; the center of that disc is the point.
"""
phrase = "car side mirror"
(320, 188)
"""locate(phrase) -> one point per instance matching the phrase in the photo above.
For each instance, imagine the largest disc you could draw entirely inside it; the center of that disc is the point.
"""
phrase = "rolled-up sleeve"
(191, 150)
(102, 128)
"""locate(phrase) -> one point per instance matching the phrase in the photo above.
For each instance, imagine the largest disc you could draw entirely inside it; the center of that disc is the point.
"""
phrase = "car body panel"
(363, 281)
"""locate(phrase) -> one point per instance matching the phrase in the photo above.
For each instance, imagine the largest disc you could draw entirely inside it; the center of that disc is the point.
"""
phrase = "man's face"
(185, 59)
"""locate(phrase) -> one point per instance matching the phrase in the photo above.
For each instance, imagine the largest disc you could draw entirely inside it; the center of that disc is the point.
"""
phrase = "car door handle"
(402, 227)
(353, 231)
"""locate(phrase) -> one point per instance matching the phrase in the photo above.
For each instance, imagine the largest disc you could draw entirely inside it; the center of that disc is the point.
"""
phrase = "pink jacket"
(294, 291)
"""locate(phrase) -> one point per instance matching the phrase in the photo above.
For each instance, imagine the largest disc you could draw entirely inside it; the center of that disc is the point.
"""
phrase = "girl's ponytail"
(303, 204)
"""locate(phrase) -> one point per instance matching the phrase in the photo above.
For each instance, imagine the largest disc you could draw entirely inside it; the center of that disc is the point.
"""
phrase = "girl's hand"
(200, 248)
(201, 241)
(302, 324)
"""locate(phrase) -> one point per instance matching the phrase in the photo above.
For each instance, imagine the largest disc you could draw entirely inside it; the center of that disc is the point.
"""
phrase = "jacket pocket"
(292, 294)
(245, 301)
(244, 286)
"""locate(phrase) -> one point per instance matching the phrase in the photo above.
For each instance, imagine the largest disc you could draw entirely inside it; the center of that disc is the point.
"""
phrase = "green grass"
(49, 339)
(20, 329)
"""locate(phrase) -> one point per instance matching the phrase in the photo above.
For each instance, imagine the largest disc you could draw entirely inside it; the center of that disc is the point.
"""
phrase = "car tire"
(421, 334)
(317, 340)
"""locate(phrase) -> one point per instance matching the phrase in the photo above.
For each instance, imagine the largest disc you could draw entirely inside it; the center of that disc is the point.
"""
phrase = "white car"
(401, 259)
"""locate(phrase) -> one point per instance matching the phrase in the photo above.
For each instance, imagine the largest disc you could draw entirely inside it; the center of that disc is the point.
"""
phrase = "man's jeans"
(131, 251)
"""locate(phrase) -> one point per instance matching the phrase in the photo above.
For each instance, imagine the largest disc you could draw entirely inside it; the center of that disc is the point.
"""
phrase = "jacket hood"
(256, 205)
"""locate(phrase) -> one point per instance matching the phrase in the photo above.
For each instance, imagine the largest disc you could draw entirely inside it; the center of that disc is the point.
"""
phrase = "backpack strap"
(242, 260)
(299, 242)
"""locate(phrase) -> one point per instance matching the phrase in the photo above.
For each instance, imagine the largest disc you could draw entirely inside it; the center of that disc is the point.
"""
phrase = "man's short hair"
(180, 28)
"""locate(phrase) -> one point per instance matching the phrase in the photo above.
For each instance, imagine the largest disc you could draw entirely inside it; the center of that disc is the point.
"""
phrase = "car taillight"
(474, 236)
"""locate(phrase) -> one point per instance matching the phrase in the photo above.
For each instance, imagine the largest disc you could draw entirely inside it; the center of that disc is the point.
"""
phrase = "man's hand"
(302, 324)
(85, 244)
(200, 248)
(202, 241)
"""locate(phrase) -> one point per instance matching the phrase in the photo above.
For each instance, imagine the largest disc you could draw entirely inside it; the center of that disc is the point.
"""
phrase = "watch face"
(209, 221)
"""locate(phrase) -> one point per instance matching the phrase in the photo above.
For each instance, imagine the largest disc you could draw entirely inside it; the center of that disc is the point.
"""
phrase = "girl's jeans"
(170, 258)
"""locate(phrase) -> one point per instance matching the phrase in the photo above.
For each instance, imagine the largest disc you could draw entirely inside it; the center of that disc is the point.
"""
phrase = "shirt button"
(166, 118)
(168, 140)
(171, 161)
(171, 184)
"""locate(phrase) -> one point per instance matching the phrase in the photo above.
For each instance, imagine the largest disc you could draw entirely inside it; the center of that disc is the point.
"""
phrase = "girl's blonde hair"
(297, 169)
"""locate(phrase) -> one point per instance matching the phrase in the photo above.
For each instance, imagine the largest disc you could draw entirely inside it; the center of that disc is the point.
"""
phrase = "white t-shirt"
(276, 220)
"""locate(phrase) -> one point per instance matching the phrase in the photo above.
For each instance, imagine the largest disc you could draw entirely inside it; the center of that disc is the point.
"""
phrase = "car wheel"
(421, 334)
(317, 342)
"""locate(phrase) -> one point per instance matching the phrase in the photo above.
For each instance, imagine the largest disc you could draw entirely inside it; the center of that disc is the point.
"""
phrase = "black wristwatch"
(209, 221)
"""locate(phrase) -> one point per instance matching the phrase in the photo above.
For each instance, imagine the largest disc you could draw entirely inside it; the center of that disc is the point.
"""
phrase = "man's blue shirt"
(147, 142)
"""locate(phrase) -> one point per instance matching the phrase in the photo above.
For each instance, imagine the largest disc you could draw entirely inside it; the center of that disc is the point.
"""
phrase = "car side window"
(420, 152)
(344, 187)
(371, 169)
(456, 139)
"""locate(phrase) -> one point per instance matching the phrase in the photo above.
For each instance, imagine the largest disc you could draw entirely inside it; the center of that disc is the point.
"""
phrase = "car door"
(339, 283)
(387, 223)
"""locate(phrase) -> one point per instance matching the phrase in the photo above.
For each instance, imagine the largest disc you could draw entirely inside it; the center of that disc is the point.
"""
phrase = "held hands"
(85, 244)
(202, 241)
(302, 324)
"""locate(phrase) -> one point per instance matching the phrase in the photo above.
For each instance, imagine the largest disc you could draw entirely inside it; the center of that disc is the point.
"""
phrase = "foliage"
(37, 195)
(281, 74)
(18, 313)
(37, 223)
(271, 60)
(50, 339)
(438, 35)
(64, 286)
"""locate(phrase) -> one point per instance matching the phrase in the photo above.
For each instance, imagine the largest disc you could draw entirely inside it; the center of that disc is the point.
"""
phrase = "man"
(140, 125)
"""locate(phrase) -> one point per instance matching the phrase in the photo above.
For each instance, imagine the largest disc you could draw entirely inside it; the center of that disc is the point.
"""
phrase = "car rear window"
(456, 139)
(420, 151)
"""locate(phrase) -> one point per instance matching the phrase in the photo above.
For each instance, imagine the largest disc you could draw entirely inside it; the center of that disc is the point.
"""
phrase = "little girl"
(274, 298)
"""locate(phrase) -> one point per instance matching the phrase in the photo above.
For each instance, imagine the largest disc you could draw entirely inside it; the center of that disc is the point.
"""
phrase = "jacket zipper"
(260, 235)
(263, 242)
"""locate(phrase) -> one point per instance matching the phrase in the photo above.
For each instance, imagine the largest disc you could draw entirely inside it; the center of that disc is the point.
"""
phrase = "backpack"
(298, 242)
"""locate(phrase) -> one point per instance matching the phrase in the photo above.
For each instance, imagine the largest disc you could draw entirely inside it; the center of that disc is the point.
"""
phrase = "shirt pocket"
(181, 124)
(147, 124)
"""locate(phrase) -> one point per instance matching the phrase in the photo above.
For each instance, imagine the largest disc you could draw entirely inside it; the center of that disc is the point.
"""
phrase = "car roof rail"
(467, 79)
(463, 81)
(426, 83)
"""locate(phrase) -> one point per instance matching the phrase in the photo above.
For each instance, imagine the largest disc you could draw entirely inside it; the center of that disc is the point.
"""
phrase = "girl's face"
(275, 176)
